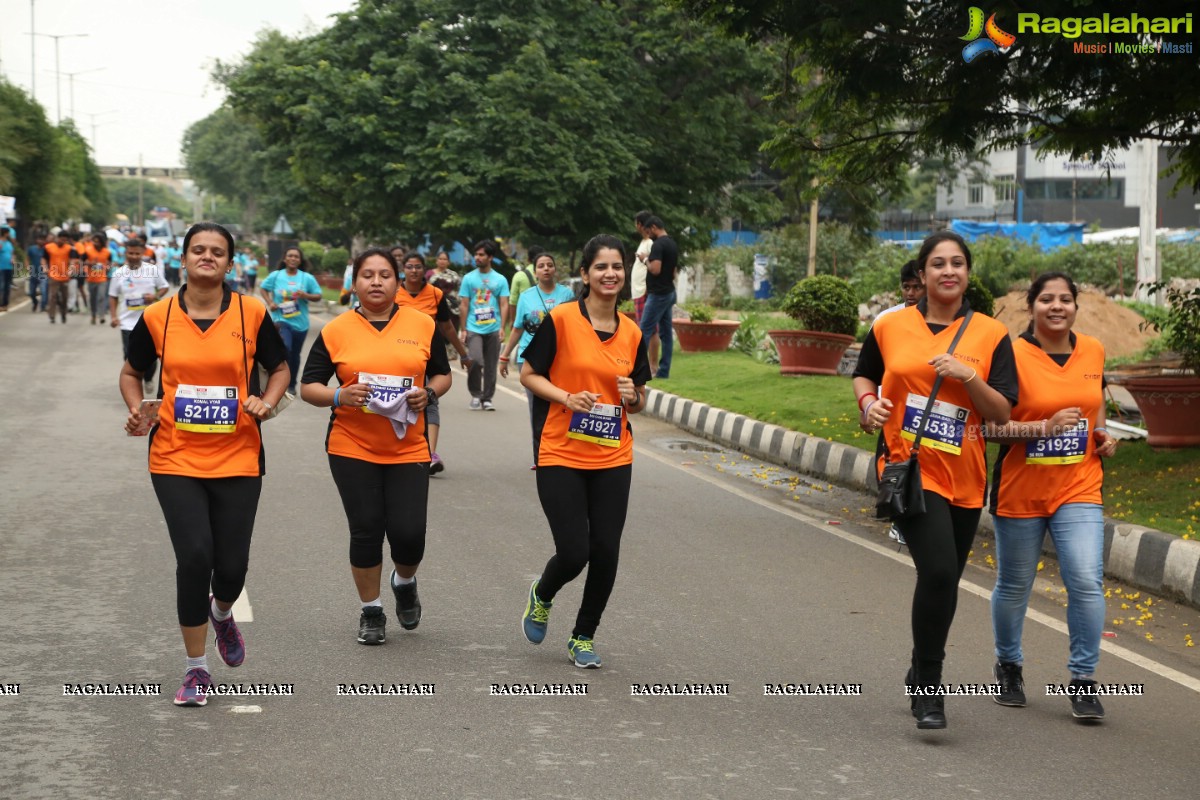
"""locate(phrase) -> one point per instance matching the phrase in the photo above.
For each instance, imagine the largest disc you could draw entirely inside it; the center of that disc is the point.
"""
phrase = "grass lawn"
(1157, 489)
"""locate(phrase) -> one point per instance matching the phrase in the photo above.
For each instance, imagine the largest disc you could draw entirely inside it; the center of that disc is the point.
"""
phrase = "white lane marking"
(241, 608)
(245, 709)
(1163, 671)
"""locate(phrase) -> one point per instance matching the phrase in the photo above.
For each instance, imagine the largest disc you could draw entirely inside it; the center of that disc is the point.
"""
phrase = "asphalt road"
(728, 576)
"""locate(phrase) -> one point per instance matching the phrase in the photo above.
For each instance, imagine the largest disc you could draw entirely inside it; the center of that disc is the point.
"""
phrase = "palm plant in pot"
(701, 332)
(827, 310)
(1170, 401)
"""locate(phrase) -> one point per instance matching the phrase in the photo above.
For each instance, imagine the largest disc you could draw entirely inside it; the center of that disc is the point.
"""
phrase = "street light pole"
(32, 54)
(71, 84)
(57, 66)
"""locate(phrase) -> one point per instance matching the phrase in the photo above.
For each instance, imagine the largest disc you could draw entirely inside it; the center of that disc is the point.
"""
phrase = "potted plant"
(1170, 400)
(827, 311)
(626, 308)
(700, 332)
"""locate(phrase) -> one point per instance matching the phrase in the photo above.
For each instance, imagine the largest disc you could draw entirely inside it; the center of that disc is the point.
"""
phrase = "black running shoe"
(930, 711)
(1085, 703)
(372, 626)
(1012, 684)
(408, 604)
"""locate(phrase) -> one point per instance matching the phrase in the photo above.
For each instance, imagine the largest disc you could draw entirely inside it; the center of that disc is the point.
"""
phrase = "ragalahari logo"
(996, 41)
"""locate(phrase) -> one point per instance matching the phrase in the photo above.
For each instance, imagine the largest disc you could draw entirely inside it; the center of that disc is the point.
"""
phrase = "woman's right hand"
(356, 394)
(1063, 420)
(878, 413)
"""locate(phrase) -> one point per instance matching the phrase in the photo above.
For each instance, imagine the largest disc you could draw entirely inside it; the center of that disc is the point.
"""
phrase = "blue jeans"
(656, 317)
(1077, 530)
(293, 342)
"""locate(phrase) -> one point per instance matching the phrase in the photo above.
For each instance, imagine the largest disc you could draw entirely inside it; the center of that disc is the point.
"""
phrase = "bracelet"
(268, 405)
(336, 394)
(867, 410)
(974, 374)
(1102, 428)
(864, 396)
(503, 358)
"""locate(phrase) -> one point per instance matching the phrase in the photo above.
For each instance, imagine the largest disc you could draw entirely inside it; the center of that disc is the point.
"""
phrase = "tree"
(124, 195)
(28, 152)
(466, 118)
(887, 85)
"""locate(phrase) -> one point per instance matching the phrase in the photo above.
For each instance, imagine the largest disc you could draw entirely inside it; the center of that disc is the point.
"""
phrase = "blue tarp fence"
(1045, 235)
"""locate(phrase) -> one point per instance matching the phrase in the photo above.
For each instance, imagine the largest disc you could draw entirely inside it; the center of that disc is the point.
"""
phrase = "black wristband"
(433, 397)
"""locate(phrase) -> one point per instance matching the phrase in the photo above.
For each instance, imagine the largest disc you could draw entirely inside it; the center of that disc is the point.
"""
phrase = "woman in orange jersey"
(206, 453)
(97, 256)
(58, 269)
(1049, 476)
(390, 367)
(587, 368)
(902, 357)
(414, 292)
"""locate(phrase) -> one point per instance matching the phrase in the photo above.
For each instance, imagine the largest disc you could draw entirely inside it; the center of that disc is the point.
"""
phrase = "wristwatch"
(433, 398)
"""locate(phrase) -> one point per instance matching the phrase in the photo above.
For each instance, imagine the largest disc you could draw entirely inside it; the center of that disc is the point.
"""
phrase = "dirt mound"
(1114, 325)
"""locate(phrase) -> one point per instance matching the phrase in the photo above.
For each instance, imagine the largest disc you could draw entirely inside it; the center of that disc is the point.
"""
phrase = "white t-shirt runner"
(130, 288)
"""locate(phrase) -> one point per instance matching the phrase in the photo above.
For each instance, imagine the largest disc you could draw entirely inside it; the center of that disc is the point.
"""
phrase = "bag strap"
(937, 384)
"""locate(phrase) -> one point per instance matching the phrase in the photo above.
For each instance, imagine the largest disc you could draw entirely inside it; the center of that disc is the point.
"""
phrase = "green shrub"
(978, 295)
(335, 259)
(823, 303)
(699, 312)
(314, 253)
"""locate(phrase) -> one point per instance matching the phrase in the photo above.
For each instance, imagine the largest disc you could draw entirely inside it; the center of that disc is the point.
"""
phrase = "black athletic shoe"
(408, 604)
(1012, 684)
(930, 711)
(1085, 703)
(372, 626)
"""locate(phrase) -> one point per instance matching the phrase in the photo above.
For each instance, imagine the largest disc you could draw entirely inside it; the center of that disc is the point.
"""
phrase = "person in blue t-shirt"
(483, 298)
(38, 281)
(287, 292)
(533, 306)
(7, 254)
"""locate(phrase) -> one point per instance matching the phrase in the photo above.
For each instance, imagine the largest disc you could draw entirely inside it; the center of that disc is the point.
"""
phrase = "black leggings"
(939, 541)
(383, 500)
(586, 511)
(210, 521)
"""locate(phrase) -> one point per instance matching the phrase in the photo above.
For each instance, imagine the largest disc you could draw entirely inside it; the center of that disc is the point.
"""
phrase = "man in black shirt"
(660, 295)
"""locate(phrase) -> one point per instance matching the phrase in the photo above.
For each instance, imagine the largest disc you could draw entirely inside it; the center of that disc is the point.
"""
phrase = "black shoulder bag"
(901, 494)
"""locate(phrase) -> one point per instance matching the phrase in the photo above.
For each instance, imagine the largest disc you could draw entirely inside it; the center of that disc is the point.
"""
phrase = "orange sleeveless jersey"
(401, 350)
(584, 363)
(953, 458)
(211, 358)
(97, 260)
(1032, 479)
(426, 301)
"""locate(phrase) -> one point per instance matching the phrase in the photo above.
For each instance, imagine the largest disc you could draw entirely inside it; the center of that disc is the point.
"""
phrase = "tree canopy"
(546, 119)
(877, 85)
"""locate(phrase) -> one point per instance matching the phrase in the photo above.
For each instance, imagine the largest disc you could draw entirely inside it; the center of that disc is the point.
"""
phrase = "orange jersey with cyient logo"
(58, 260)
(952, 454)
(97, 261)
(426, 301)
(602, 438)
(203, 430)
(391, 361)
(1033, 478)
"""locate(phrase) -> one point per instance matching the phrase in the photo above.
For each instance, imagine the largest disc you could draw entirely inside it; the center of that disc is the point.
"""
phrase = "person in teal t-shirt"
(484, 303)
(287, 292)
(533, 306)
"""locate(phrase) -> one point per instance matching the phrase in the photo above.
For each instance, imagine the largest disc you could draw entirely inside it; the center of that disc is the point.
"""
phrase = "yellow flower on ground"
(1042, 566)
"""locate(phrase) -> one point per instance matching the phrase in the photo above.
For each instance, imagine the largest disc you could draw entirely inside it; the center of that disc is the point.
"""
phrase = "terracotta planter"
(809, 352)
(330, 281)
(1170, 407)
(630, 314)
(704, 337)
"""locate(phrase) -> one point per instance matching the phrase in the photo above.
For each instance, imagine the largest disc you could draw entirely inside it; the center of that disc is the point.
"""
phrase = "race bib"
(289, 309)
(133, 303)
(485, 315)
(206, 409)
(601, 425)
(384, 388)
(946, 426)
(1069, 447)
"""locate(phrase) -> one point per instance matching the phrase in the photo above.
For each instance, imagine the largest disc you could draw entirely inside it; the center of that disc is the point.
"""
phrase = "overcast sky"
(153, 59)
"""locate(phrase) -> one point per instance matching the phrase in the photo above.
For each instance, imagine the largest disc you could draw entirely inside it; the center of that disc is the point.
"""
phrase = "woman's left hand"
(256, 408)
(1106, 445)
(628, 392)
(418, 398)
(948, 366)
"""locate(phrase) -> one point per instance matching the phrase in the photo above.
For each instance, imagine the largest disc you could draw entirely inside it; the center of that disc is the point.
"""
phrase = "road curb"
(1144, 557)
